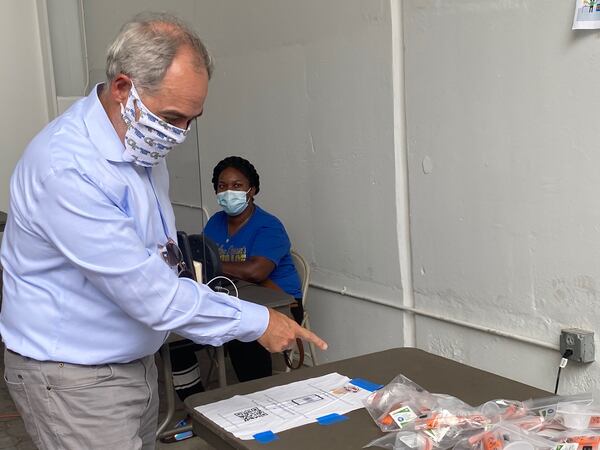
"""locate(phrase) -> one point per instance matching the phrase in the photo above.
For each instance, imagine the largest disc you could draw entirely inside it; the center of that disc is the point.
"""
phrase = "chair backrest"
(206, 252)
(304, 272)
(206, 215)
(186, 253)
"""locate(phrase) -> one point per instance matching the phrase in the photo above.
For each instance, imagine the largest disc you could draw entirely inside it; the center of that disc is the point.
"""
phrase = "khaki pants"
(69, 406)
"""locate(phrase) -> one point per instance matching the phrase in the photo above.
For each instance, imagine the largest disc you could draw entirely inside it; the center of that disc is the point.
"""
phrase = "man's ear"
(252, 193)
(119, 88)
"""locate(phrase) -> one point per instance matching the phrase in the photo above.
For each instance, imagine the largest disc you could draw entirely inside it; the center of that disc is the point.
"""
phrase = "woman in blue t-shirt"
(253, 246)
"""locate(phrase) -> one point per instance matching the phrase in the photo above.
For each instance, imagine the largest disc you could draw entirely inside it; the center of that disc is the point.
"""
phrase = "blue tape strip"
(265, 437)
(365, 384)
(331, 418)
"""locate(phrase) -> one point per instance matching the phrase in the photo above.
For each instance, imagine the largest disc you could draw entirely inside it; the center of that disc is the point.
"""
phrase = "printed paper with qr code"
(283, 407)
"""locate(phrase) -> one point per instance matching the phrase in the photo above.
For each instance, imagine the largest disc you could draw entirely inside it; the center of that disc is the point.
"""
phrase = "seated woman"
(253, 246)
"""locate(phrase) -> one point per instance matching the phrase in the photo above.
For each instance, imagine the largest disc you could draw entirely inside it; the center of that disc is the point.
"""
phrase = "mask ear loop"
(137, 111)
(247, 197)
(123, 108)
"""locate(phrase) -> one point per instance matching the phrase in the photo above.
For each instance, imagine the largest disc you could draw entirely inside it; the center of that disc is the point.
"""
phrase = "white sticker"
(547, 412)
(563, 363)
(567, 446)
(403, 415)
(437, 434)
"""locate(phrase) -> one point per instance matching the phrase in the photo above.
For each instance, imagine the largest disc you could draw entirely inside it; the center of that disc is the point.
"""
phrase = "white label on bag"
(403, 415)
(437, 434)
(567, 446)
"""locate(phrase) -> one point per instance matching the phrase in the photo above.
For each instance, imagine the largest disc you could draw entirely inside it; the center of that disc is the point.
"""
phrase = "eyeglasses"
(173, 256)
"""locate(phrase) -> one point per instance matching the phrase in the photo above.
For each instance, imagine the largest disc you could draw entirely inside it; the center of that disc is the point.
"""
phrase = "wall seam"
(401, 172)
(46, 54)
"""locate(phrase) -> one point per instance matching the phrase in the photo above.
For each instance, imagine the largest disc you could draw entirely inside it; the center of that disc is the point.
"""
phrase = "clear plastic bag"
(417, 440)
(403, 440)
(416, 419)
(502, 409)
(505, 436)
(586, 441)
(547, 407)
(456, 415)
(399, 402)
(572, 439)
(578, 414)
(501, 436)
(403, 404)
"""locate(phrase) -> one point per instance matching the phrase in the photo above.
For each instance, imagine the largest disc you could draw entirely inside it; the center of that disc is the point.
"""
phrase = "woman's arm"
(255, 270)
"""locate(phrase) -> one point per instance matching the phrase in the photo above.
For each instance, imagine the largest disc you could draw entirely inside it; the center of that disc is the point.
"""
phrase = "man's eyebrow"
(172, 113)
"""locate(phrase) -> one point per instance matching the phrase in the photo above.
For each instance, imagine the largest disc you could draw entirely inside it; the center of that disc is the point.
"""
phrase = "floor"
(14, 437)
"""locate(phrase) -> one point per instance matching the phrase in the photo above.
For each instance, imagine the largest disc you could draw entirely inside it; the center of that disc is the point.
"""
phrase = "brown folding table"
(434, 373)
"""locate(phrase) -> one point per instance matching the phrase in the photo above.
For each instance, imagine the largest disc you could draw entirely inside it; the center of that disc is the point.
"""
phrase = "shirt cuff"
(253, 321)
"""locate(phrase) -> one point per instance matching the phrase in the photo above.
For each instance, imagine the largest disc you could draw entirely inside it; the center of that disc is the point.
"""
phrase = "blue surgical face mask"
(233, 202)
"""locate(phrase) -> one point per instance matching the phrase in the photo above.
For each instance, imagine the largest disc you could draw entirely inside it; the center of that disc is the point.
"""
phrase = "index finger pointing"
(312, 337)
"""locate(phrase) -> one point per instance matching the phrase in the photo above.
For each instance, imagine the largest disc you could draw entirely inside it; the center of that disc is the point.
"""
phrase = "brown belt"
(288, 360)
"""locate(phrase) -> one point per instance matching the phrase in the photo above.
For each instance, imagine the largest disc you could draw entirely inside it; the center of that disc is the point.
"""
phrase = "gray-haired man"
(88, 292)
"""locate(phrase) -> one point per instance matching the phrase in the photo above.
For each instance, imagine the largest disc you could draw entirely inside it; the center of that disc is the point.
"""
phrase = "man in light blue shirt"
(89, 295)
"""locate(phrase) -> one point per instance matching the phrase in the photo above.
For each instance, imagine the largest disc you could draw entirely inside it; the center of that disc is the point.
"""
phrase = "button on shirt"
(84, 281)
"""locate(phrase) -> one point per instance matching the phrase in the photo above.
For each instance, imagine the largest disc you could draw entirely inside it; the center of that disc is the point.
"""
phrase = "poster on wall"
(587, 15)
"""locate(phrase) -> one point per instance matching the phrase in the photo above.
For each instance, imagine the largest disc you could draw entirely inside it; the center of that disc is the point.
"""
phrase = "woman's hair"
(145, 47)
(241, 164)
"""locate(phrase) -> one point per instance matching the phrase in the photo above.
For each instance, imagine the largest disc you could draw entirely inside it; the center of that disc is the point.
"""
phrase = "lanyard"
(162, 217)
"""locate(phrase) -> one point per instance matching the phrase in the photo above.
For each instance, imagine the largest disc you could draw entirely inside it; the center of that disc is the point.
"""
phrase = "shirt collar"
(101, 130)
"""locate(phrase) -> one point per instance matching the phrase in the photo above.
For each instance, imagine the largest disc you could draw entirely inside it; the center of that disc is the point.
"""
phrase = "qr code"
(250, 414)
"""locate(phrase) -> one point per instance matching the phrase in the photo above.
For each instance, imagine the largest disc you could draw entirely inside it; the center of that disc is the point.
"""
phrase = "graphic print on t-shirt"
(232, 254)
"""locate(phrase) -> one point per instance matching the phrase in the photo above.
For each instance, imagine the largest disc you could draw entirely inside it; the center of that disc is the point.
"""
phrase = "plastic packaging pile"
(415, 419)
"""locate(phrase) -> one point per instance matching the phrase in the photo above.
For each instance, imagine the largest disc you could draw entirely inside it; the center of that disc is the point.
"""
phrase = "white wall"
(499, 106)
(68, 49)
(22, 84)
(501, 101)
(303, 90)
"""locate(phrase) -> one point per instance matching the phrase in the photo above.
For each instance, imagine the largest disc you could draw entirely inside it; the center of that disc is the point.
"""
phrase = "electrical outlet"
(580, 342)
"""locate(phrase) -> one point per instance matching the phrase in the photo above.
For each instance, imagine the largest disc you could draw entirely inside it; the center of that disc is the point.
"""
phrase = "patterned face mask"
(148, 139)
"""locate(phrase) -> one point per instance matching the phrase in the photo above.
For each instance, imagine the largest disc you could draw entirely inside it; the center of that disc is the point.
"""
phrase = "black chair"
(206, 252)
